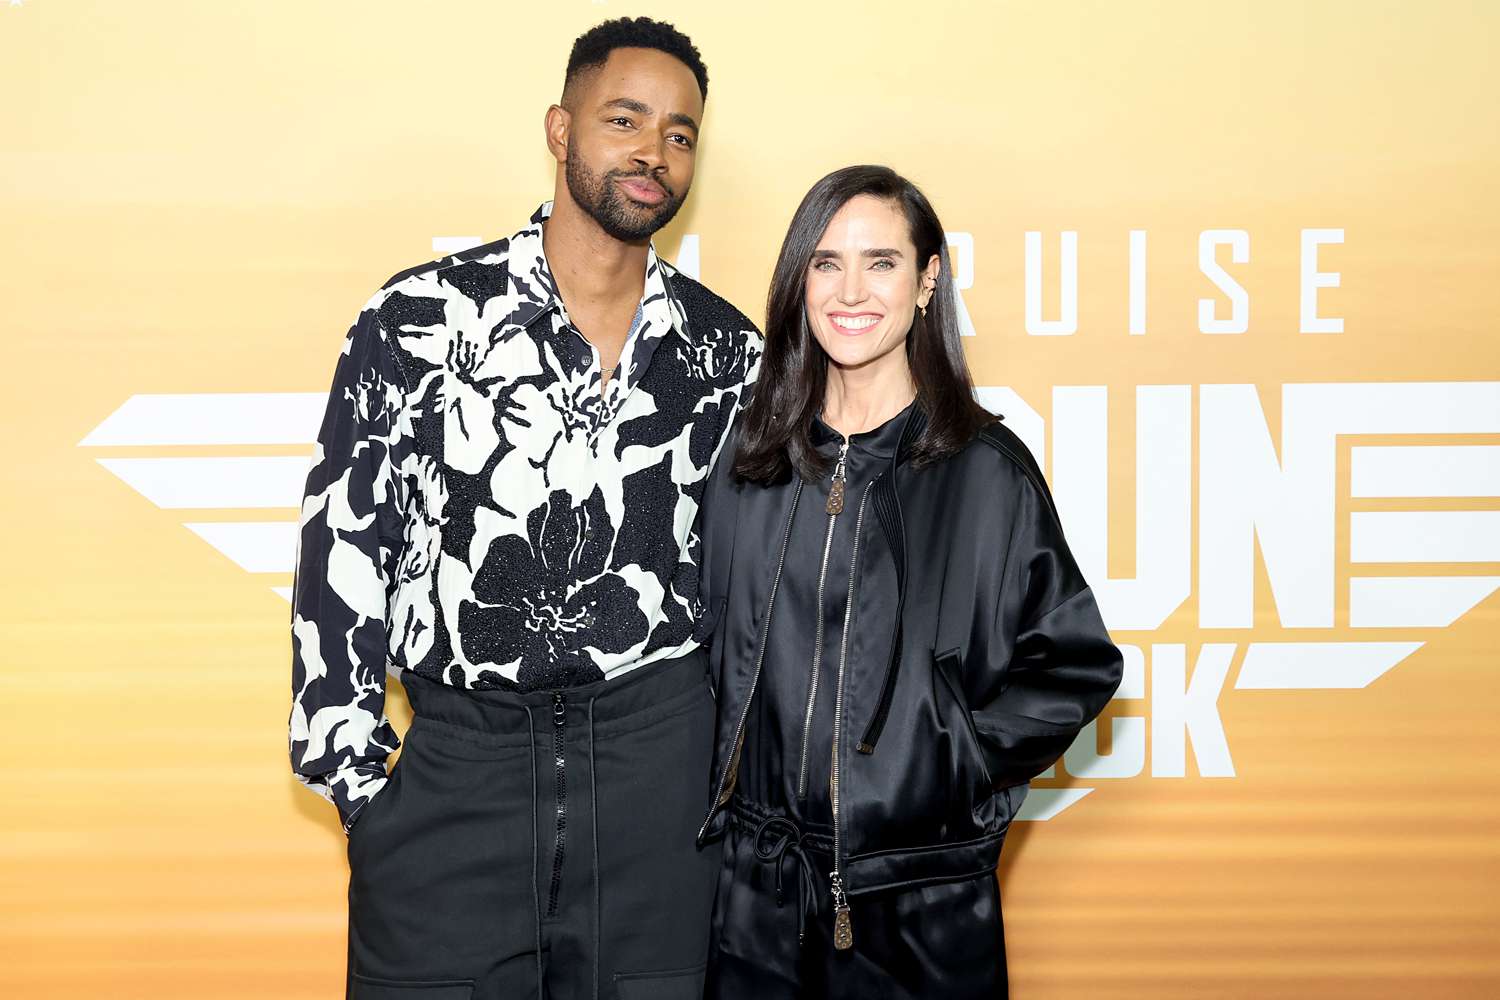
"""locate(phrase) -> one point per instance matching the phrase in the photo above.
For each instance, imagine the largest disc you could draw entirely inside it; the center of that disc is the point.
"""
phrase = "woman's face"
(864, 284)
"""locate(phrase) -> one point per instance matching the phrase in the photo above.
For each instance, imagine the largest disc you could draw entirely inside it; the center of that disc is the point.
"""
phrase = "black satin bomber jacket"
(976, 652)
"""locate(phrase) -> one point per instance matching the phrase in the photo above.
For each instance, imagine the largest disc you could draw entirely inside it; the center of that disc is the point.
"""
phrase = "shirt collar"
(526, 259)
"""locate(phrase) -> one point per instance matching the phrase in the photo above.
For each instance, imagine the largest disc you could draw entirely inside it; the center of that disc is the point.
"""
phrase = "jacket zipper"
(721, 794)
(559, 726)
(843, 927)
(834, 508)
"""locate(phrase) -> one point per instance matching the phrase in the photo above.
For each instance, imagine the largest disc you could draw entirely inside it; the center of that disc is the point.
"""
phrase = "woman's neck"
(863, 398)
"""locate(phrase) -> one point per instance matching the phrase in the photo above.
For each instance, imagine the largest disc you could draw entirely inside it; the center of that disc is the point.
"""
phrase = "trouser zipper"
(834, 508)
(559, 760)
(843, 927)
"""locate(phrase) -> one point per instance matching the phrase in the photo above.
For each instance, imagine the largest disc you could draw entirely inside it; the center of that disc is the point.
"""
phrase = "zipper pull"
(836, 491)
(843, 927)
(559, 709)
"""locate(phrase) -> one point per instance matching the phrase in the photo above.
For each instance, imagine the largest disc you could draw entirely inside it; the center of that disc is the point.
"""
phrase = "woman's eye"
(823, 265)
(884, 264)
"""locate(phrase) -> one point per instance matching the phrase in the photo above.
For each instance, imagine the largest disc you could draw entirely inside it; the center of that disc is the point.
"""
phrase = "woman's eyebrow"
(872, 252)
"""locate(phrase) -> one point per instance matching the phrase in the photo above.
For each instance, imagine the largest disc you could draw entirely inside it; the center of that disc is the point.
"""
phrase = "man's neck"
(591, 268)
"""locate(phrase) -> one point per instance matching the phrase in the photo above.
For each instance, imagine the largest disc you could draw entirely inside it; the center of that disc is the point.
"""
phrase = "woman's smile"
(854, 323)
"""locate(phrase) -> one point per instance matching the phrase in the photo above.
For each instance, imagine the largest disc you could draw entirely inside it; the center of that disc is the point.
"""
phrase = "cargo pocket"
(366, 988)
(675, 984)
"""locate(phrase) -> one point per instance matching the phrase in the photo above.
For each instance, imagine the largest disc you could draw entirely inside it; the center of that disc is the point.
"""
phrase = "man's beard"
(600, 197)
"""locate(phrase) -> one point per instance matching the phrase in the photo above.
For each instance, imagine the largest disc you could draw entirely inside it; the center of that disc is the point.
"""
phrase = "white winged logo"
(1416, 534)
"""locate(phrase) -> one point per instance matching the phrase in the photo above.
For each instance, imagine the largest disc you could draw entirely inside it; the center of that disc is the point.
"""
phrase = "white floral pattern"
(479, 512)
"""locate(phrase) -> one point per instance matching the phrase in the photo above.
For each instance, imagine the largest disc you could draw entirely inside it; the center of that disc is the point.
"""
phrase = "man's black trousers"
(540, 845)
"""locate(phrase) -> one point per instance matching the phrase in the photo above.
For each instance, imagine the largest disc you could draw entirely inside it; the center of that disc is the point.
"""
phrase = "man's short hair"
(592, 48)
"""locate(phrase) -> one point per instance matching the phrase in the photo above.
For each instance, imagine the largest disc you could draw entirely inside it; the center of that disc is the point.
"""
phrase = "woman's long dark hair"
(775, 430)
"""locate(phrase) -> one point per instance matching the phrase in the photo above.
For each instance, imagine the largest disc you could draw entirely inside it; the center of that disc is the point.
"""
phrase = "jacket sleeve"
(714, 534)
(1059, 666)
(714, 528)
(349, 544)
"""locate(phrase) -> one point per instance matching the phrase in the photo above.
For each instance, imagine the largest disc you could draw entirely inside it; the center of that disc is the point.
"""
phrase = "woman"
(901, 639)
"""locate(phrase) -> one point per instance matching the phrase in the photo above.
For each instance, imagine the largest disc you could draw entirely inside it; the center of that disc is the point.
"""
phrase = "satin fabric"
(935, 941)
(975, 655)
(996, 660)
(778, 716)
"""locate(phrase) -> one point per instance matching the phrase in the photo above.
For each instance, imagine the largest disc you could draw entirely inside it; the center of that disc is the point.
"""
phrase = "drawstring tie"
(774, 839)
(594, 815)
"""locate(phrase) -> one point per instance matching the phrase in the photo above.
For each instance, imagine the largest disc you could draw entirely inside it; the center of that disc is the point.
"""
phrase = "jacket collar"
(883, 442)
(915, 424)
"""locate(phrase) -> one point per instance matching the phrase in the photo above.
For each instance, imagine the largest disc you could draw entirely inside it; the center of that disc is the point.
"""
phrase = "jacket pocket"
(673, 984)
(368, 988)
(945, 666)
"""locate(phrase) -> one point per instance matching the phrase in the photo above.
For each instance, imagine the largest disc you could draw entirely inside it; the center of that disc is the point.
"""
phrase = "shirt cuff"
(354, 787)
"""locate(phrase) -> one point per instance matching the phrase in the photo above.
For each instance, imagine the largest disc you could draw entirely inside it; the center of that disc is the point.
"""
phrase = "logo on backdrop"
(1409, 568)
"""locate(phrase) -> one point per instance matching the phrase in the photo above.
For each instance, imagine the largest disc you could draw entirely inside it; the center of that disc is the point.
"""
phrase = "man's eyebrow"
(636, 107)
(628, 104)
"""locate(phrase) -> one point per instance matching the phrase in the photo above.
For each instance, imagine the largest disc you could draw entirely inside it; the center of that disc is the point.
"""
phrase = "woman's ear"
(927, 281)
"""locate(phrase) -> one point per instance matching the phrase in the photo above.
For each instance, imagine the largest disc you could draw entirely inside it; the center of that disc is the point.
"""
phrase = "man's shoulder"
(483, 269)
(707, 311)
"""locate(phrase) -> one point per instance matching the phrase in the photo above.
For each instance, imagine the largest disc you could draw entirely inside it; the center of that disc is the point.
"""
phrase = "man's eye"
(621, 121)
(681, 140)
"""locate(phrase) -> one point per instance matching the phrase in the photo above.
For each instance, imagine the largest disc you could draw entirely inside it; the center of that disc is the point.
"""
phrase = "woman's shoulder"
(998, 462)
(1009, 451)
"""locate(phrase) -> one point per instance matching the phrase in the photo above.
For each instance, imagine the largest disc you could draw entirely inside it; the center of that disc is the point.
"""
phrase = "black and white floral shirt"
(479, 512)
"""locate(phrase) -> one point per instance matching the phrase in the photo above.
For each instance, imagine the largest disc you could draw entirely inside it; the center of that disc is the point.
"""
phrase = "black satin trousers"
(772, 931)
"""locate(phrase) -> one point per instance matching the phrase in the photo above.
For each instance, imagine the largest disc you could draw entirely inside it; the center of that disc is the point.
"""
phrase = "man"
(501, 506)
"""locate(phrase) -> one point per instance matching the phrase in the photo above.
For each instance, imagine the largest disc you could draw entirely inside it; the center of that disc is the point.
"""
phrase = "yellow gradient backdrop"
(195, 198)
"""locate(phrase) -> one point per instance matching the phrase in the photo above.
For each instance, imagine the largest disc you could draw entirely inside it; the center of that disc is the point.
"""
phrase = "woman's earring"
(924, 311)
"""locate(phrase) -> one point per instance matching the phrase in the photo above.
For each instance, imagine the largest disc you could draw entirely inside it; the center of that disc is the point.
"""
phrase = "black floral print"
(483, 509)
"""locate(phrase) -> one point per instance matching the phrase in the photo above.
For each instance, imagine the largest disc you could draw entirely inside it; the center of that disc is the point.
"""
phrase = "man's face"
(632, 142)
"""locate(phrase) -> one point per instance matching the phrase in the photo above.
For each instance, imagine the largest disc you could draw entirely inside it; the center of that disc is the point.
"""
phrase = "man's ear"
(558, 123)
